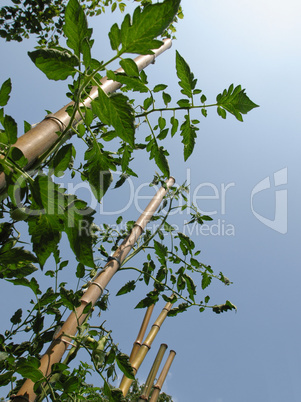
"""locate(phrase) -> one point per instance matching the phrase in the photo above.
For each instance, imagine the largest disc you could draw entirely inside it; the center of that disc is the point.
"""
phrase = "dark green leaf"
(187, 80)
(16, 318)
(32, 284)
(5, 91)
(137, 36)
(80, 270)
(62, 160)
(223, 307)
(97, 170)
(76, 27)
(206, 280)
(125, 365)
(130, 83)
(115, 36)
(188, 133)
(56, 64)
(116, 111)
(128, 287)
(130, 67)
(11, 129)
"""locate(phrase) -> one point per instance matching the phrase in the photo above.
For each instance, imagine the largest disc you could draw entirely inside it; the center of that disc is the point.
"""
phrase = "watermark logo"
(279, 223)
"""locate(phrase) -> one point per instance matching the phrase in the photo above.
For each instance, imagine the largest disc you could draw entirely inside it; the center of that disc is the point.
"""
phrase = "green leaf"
(137, 36)
(130, 67)
(62, 160)
(125, 365)
(16, 318)
(115, 37)
(166, 98)
(190, 286)
(56, 64)
(206, 280)
(76, 27)
(128, 287)
(131, 83)
(175, 124)
(11, 129)
(97, 170)
(188, 132)
(5, 91)
(235, 101)
(30, 369)
(187, 80)
(16, 263)
(223, 307)
(116, 111)
(78, 229)
(80, 270)
(159, 87)
(32, 284)
(7, 378)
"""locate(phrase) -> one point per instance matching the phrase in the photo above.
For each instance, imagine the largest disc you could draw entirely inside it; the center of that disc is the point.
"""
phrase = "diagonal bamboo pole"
(139, 340)
(162, 376)
(44, 135)
(145, 347)
(152, 374)
(59, 345)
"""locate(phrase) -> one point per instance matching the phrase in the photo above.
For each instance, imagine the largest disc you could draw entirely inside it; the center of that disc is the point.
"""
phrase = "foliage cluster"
(172, 267)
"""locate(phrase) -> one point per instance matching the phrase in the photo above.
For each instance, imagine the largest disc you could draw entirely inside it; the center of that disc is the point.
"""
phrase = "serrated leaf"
(130, 83)
(235, 101)
(116, 111)
(128, 287)
(187, 80)
(5, 91)
(16, 318)
(175, 124)
(16, 263)
(30, 369)
(188, 133)
(190, 286)
(32, 284)
(206, 280)
(158, 153)
(11, 129)
(125, 365)
(56, 64)
(97, 170)
(115, 37)
(76, 27)
(137, 36)
(62, 160)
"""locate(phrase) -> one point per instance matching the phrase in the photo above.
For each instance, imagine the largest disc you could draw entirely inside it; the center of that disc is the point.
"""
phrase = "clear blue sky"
(254, 354)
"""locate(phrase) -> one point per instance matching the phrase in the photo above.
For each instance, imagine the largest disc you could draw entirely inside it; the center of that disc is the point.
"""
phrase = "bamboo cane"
(152, 374)
(162, 376)
(141, 333)
(94, 291)
(44, 135)
(138, 359)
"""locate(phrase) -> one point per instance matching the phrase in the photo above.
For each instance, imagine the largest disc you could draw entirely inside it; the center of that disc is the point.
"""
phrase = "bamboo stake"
(94, 291)
(138, 359)
(152, 374)
(141, 333)
(162, 376)
(44, 135)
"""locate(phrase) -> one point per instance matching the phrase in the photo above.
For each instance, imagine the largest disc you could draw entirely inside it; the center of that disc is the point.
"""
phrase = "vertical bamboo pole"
(152, 374)
(44, 135)
(95, 290)
(162, 376)
(138, 359)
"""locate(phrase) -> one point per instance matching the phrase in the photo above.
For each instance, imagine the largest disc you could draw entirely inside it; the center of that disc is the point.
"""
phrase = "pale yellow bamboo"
(141, 333)
(152, 374)
(138, 359)
(44, 135)
(162, 376)
(95, 290)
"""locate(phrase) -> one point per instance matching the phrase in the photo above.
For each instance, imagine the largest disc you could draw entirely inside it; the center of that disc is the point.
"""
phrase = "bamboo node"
(111, 257)
(57, 120)
(99, 286)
